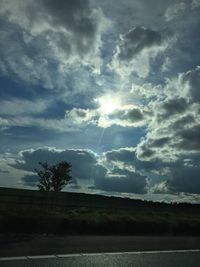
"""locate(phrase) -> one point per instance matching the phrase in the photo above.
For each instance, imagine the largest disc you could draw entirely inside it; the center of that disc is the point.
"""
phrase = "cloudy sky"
(111, 86)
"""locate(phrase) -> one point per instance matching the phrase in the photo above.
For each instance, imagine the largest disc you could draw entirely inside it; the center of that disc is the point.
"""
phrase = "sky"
(111, 86)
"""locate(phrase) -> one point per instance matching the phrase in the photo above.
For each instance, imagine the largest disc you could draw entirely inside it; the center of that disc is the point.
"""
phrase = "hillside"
(77, 213)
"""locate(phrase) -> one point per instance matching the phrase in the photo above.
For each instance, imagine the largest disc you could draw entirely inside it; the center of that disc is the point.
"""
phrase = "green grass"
(72, 213)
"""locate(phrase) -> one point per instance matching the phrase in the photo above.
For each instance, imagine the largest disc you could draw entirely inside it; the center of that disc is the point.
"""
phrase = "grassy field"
(28, 211)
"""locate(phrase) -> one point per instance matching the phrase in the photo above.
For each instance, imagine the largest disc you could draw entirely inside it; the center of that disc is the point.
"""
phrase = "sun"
(108, 107)
(108, 104)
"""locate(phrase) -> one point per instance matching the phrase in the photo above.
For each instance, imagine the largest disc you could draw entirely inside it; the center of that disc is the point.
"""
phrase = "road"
(135, 259)
(23, 245)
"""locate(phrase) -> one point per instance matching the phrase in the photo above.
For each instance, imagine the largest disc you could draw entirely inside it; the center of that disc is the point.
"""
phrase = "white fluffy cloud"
(125, 116)
(79, 116)
(110, 111)
(175, 11)
(62, 45)
(178, 11)
(136, 49)
(195, 4)
(175, 125)
(42, 39)
(173, 139)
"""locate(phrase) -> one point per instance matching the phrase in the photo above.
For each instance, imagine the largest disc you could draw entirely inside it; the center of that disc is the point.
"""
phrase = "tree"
(55, 177)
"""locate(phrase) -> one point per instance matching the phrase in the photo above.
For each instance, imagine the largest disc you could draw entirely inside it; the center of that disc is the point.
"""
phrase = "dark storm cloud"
(30, 180)
(122, 181)
(75, 15)
(138, 49)
(83, 161)
(85, 167)
(190, 138)
(126, 158)
(183, 121)
(125, 155)
(137, 40)
(173, 106)
(186, 179)
(145, 152)
(160, 142)
(149, 149)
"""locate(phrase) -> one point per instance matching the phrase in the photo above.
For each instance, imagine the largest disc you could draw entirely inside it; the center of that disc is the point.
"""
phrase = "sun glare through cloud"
(90, 83)
(108, 104)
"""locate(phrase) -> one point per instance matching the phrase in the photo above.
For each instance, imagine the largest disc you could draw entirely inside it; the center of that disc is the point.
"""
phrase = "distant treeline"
(77, 213)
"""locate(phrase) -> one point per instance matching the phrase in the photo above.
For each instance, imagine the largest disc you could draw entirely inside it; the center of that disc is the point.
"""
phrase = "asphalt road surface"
(143, 259)
(24, 245)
